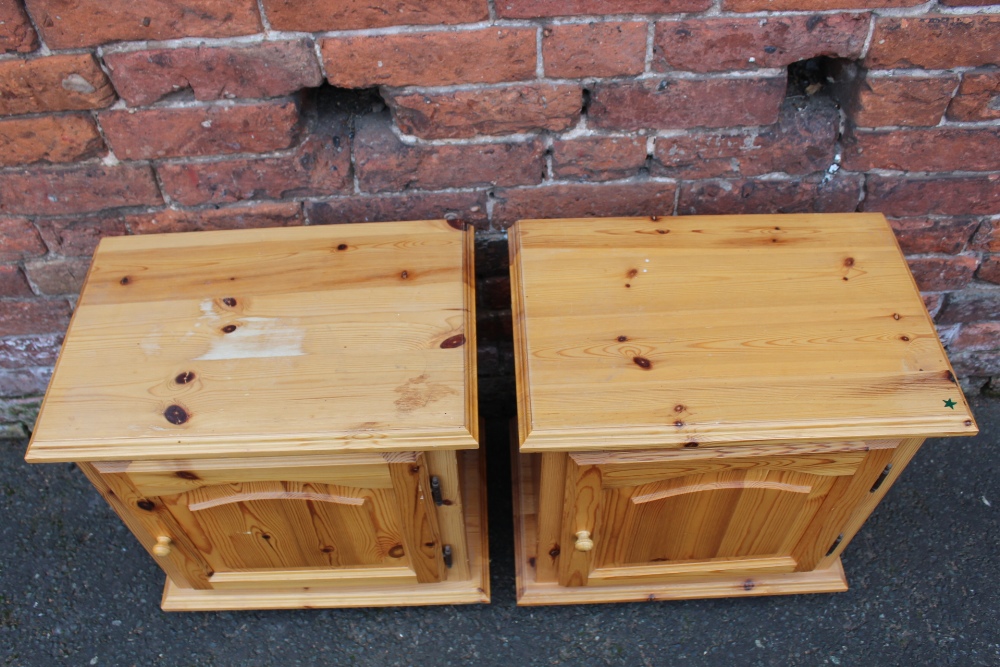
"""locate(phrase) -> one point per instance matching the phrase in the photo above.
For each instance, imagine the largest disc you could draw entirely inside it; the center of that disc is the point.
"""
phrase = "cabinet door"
(639, 517)
(322, 521)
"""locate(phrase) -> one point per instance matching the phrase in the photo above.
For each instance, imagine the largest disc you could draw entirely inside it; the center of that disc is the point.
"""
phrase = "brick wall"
(123, 117)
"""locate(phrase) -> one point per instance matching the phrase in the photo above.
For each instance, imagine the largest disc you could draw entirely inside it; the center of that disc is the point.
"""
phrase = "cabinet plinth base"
(533, 593)
(474, 590)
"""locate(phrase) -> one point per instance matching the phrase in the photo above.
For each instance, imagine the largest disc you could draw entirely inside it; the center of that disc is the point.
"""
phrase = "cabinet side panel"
(451, 514)
(421, 533)
(581, 513)
(550, 498)
(182, 569)
(840, 504)
(901, 457)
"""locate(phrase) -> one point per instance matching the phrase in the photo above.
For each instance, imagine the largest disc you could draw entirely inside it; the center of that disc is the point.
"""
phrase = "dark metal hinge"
(446, 552)
(836, 543)
(436, 491)
(881, 478)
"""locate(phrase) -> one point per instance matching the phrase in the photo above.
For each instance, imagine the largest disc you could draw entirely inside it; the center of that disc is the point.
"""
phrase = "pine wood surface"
(272, 342)
(720, 330)
(384, 586)
(642, 583)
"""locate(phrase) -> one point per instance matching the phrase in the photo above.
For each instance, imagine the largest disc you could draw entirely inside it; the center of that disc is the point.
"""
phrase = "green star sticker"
(950, 404)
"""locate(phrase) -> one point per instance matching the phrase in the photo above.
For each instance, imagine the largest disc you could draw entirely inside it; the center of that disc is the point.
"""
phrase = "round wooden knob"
(583, 541)
(162, 547)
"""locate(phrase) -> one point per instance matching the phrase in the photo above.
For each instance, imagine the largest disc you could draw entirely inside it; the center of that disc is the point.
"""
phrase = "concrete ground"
(76, 589)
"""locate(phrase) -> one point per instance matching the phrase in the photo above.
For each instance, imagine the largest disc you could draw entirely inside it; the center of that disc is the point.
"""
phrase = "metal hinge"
(436, 491)
(836, 543)
(446, 553)
(881, 478)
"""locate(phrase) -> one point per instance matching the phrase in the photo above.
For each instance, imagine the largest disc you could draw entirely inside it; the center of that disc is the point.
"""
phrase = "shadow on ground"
(76, 589)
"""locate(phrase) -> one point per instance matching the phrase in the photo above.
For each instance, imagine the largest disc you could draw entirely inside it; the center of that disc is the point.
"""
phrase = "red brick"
(978, 97)
(987, 238)
(974, 368)
(316, 15)
(963, 3)
(21, 351)
(978, 337)
(909, 100)
(79, 236)
(82, 189)
(268, 69)
(68, 24)
(494, 293)
(60, 275)
(385, 164)
(12, 282)
(148, 134)
(598, 158)
(811, 5)
(53, 83)
(320, 166)
(937, 149)
(276, 214)
(921, 235)
(940, 274)
(18, 318)
(19, 239)
(971, 305)
(989, 271)
(16, 33)
(935, 42)
(24, 381)
(811, 195)
(19, 411)
(527, 9)
(899, 196)
(491, 55)
(933, 303)
(572, 51)
(467, 206)
(685, 103)
(50, 139)
(802, 142)
(721, 44)
(494, 325)
(490, 111)
(584, 200)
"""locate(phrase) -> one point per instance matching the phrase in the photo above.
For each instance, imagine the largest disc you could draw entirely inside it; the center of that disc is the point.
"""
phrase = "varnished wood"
(719, 395)
(186, 569)
(268, 594)
(704, 584)
(270, 342)
(581, 514)
(345, 577)
(167, 477)
(421, 534)
(901, 457)
(715, 330)
(551, 485)
(263, 409)
(451, 513)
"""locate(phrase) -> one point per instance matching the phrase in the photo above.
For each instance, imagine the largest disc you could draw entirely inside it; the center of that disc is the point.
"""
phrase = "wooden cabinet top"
(268, 342)
(683, 331)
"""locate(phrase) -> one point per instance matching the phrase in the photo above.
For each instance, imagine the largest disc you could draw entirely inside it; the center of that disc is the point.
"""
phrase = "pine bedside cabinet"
(283, 417)
(712, 406)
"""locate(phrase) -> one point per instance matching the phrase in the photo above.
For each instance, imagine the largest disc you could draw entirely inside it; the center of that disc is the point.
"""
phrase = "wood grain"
(421, 533)
(653, 586)
(384, 587)
(274, 342)
(717, 330)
